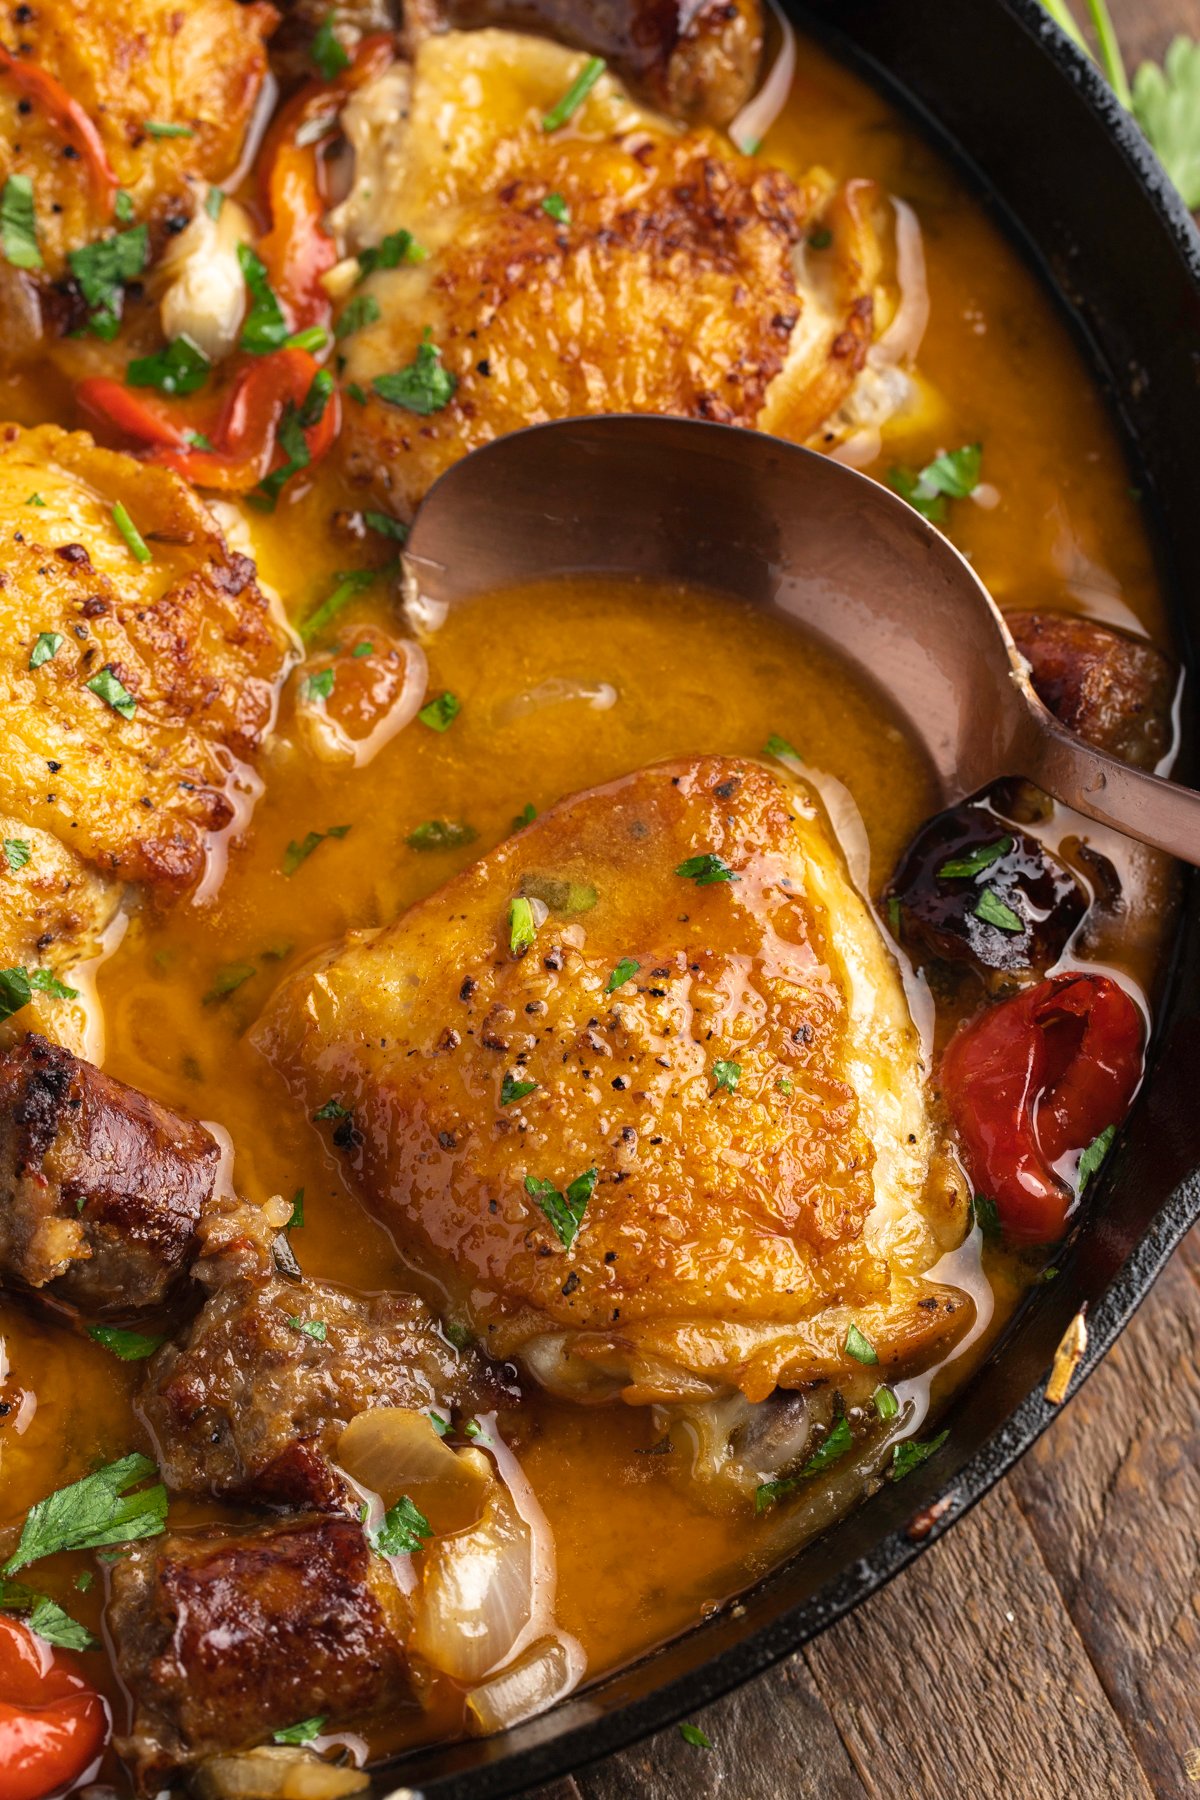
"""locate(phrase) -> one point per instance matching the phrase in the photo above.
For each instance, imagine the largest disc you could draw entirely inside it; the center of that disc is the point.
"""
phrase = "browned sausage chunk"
(698, 63)
(251, 1404)
(223, 1639)
(1115, 691)
(101, 1188)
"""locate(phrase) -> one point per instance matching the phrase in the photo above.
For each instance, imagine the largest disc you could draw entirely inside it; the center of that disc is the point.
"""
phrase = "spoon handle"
(1092, 782)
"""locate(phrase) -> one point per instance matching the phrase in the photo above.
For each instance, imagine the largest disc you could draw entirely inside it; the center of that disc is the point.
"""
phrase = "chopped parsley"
(312, 338)
(474, 1430)
(564, 1211)
(692, 1734)
(130, 1346)
(356, 392)
(951, 476)
(987, 1216)
(328, 55)
(576, 94)
(309, 1328)
(296, 853)
(895, 913)
(45, 1617)
(17, 852)
(48, 645)
(155, 128)
(910, 1455)
(840, 1439)
(363, 649)
(441, 713)
(93, 1512)
(386, 526)
(113, 692)
(15, 991)
(1093, 1156)
(181, 368)
(332, 1109)
(625, 970)
(35, 500)
(350, 583)
(363, 310)
(423, 386)
(297, 1218)
(557, 208)
(45, 981)
(779, 746)
(397, 247)
(526, 816)
(976, 861)
(123, 206)
(318, 686)
(303, 1733)
(859, 1347)
(511, 1089)
(404, 1529)
(992, 910)
(296, 420)
(102, 269)
(441, 834)
(886, 1404)
(726, 1075)
(522, 927)
(135, 543)
(196, 440)
(228, 980)
(820, 239)
(18, 224)
(784, 1084)
(264, 328)
(440, 1425)
(707, 869)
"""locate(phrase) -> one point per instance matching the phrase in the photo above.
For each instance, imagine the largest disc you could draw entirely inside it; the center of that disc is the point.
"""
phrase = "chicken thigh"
(642, 1087)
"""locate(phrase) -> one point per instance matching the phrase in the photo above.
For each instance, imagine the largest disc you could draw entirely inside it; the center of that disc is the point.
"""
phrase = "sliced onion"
(758, 115)
(903, 337)
(393, 1450)
(476, 1592)
(557, 690)
(206, 296)
(548, 1670)
(276, 1773)
(332, 743)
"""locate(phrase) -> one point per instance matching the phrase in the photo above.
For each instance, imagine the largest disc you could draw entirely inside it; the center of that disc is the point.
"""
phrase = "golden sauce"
(689, 673)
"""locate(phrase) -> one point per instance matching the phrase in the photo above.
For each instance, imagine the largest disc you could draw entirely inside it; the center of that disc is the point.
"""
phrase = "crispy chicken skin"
(246, 1404)
(734, 1231)
(200, 66)
(223, 1639)
(1115, 691)
(672, 287)
(188, 634)
(101, 1188)
(696, 62)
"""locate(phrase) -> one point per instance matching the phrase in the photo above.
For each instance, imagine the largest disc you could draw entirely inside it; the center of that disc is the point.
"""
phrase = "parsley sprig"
(564, 1210)
(107, 1507)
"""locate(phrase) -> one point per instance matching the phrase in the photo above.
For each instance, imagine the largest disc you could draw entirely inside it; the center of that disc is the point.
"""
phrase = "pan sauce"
(668, 673)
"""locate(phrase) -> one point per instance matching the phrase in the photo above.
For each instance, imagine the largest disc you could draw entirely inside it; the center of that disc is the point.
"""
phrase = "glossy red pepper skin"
(242, 432)
(1033, 1079)
(297, 249)
(79, 129)
(53, 1723)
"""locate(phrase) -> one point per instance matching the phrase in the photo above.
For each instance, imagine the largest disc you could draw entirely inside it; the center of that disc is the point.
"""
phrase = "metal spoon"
(717, 507)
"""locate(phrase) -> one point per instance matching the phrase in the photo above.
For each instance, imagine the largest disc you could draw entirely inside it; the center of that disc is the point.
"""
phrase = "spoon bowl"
(719, 507)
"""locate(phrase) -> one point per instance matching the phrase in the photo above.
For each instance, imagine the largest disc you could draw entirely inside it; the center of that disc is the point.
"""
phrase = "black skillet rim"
(1104, 1270)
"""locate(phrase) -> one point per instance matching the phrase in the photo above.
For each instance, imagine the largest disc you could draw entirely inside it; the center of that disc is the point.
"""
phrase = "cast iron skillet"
(999, 90)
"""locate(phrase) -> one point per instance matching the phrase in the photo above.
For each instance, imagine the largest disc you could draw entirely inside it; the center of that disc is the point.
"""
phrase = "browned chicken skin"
(247, 1404)
(741, 1109)
(224, 1639)
(101, 1188)
(1115, 691)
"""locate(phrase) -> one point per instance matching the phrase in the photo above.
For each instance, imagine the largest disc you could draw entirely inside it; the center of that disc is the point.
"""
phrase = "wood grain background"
(1049, 1647)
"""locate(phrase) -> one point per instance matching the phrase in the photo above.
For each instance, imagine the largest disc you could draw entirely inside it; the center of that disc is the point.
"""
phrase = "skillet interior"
(1047, 148)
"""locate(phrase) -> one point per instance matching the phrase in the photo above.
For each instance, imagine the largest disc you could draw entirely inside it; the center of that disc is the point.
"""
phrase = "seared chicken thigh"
(643, 1087)
(611, 264)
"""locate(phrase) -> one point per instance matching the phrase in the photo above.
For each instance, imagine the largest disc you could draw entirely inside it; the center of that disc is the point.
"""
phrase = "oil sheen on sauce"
(639, 674)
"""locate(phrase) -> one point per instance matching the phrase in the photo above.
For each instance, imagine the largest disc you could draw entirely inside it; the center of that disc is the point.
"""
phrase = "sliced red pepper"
(242, 432)
(53, 1723)
(68, 117)
(297, 249)
(1034, 1079)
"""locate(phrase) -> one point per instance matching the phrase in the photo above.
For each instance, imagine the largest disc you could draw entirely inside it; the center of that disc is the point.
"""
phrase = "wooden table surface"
(1049, 1645)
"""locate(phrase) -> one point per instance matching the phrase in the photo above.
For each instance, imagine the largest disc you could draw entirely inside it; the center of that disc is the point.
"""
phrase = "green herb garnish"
(557, 208)
(835, 1446)
(564, 1211)
(707, 869)
(98, 1510)
(113, 692)
(522, 926)
(363, 310)
(122, 206)
(397, 247)
(511, 1089)
(441, 713)
(214, 200)
(987, 1216)
(45, 1618)
(423, 386)
(48, 645)
(952, 476)
(135, 543)
(910, 1455)
(155, 128)
(350, 583)
(296, 853)
(181, 368)
(17, 852)
(576, 94)
(130, 1346)
(18, 224)
(692, 1734)
(102, 270)
(228, 980)
(332, 1109)
(726, 1075)
(328, 55)
(45, 981)
(386, 526)
(318, 686)
(526, 816)
(15, 991)
(303, 1733)
(264, 328)
(976, 861)
(992, 910)
(886, 1404)
(625, 970)
(779, 746)
(441, 834)
(859, 1347)
(309, 1328)
(297, 1218)
(404, 1529)
(1094, 1155)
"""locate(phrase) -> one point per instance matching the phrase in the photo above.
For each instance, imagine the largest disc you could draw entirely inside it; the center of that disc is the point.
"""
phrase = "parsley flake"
(45, 1618)
(556, 207)
(1094, 1155)
(441, 713)
(441, 834)
(987, 1216)
(17, 852)
(303, 1733)
(976, 861)
(318, 686)
(264, 328)
(181, 368)
(835, 1446)
(859, 1347)
(440, 1425)
(122, 206)
(102, 269)
(404, 1529)
(35, 500)
(707, 869)
(350, 583)
(130, 1346)
(214, 200)
(779, 746)
(386, 526)
(328, 55)
(576, 94)
(15, 991)
(511, 1089)
(363, 310)
(526, 816)
(564, 1211)
(309, 1328)
(692, 1734)
(726, 1075)
(297, 1218)
(135, 543)
(332, 1109)
(992, 910)
(625, 970)
(396, 248)
(910, 1455)
(18, 224)
(951, 476)
(228, 980)
(48, 645)
(886, 1404)
(296, 853)
(522, 926)
(113, 692)
(45, 981)
(156, 128)
(423, 386)
(93, 1512)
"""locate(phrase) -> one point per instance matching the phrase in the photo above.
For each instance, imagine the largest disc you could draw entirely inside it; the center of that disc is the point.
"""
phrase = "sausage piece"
(699, 63)
(223, 1639)
(1115, 691)
(251, 1402)
(101, 1188)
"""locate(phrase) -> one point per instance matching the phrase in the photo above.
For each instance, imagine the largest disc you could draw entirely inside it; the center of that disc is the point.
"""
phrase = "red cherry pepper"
(53, 1723)
(66, 114)
(1033, 1079)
